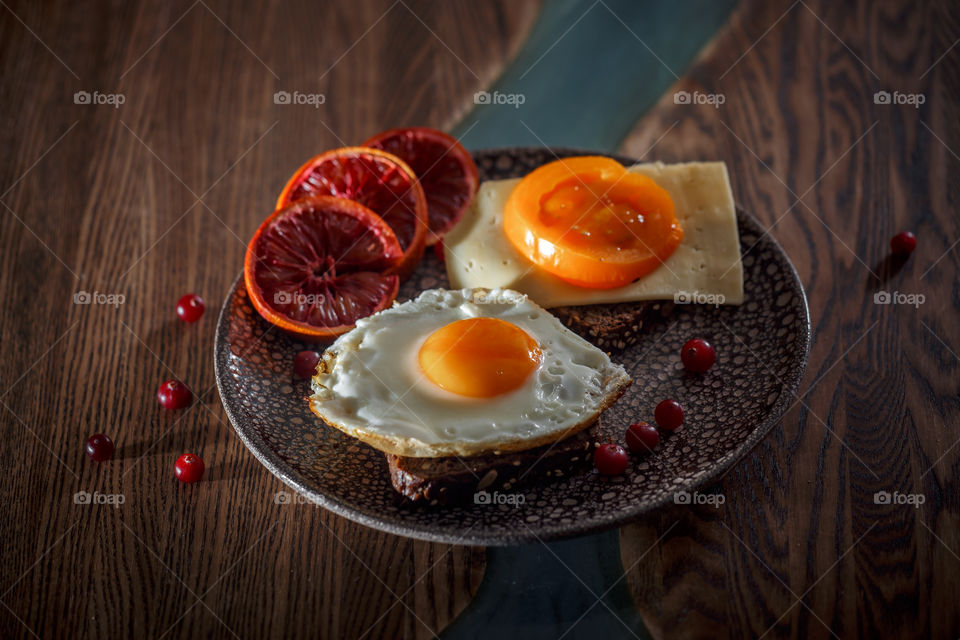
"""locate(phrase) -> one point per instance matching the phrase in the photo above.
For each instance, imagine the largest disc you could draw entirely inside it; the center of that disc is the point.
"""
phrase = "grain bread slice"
(450, 480)
(612, 327)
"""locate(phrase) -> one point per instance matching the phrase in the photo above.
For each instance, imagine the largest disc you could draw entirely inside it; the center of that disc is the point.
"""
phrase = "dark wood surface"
(158, 197)
(155, 199)
(800, 549)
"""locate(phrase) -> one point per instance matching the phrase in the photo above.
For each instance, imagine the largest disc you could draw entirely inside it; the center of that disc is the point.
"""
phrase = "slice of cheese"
(706, 266)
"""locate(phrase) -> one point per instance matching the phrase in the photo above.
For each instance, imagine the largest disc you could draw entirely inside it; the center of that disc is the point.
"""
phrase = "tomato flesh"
(589, 221)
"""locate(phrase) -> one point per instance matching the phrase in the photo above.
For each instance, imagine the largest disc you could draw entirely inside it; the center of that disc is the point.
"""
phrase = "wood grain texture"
(154, 199)
(801, 549)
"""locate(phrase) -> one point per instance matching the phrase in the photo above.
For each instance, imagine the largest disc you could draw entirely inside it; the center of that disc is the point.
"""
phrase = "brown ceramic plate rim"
(272, 461)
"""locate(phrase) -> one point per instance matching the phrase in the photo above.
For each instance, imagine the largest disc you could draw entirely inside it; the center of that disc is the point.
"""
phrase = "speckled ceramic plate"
(762, 350)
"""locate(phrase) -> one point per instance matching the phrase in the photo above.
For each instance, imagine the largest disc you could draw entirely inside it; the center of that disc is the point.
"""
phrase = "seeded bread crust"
(450, 480)
(612, 327)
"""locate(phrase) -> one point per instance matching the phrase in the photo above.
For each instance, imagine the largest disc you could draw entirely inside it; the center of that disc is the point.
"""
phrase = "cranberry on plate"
(305, 364)
(669, 415)
(610, 459)
(642, 437)
(698, 355)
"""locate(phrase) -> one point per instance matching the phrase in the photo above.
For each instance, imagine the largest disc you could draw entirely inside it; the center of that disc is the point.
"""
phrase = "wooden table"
(143, 201)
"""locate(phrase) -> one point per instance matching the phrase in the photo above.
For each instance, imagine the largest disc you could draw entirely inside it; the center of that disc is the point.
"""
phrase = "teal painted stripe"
(531, 592)
(584, 75)
(585, 78)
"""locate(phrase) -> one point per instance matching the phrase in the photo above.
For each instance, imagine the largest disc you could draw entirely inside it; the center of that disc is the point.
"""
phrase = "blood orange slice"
(376, 179)
(445, 169)
(317, 266)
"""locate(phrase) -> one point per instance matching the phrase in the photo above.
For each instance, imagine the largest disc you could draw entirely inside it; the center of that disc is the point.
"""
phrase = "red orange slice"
(317, 266)
(445, 169)
(379, 181)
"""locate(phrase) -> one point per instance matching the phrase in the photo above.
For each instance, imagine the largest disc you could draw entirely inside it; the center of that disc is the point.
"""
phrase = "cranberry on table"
(190, 307)
(669, 414)
(610, 459)
(189, 468)
(903, 244)
(173, 394)
(698, 355)
(305, 364)
(642, 437)
(100, 447)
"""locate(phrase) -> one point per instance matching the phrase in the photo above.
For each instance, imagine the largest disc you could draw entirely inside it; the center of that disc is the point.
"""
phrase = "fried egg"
(463, 372)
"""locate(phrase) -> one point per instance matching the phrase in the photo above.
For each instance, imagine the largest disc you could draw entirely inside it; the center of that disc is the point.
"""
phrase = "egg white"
(370, 383)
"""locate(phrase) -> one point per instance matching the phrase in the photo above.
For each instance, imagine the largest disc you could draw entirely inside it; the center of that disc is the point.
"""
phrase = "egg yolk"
(479, 357)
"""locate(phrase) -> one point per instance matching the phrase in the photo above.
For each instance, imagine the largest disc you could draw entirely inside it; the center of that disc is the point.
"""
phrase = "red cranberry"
(642, 437)
(100, 447)
(698, 355)
(189, 468)
(438, 252)
(305, 364)
(190, 307)
(669, 415)
(610, 459)
(173, 394)
(903, 244)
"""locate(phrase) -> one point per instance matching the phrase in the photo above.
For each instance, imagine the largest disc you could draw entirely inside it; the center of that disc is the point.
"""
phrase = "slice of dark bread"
(612, 327)
(450, 480)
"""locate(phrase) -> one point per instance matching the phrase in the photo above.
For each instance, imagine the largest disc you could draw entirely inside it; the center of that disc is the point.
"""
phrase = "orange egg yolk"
(479, 357)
